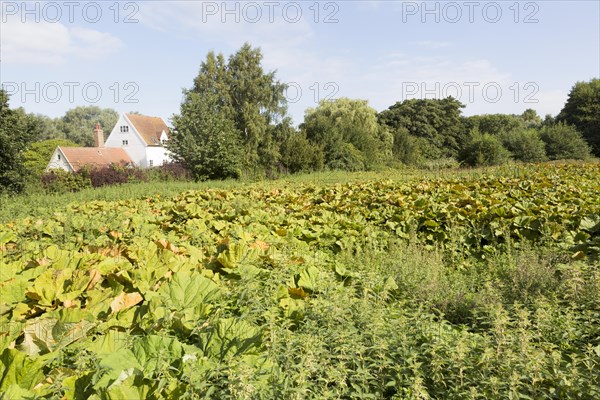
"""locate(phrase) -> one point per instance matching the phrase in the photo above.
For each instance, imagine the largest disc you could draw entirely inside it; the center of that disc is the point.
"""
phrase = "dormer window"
(164, 141)
(124, 129)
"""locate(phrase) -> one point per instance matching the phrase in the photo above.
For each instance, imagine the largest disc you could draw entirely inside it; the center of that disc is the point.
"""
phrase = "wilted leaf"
(125, 300)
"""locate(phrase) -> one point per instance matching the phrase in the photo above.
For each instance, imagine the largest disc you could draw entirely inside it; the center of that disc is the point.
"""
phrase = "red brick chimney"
(98, 136)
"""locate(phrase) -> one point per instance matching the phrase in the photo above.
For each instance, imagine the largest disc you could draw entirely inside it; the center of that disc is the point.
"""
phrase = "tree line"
(233, 122)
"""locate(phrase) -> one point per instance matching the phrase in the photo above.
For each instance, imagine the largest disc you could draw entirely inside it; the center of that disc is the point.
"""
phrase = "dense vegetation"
(233, 123)
(460, 287)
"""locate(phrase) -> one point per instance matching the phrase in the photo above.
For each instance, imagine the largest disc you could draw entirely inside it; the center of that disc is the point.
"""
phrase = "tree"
(564, 142)
(496, 124)
(484, 150)
(438, 121)
(37, 155)
(15, 133)
(78, 123)
(44, 128)
(531, 118)
(525, 145)
(244, 93)
(582, 110)
(205, 140)
(407, 148)
(298, 154)
(349, 133)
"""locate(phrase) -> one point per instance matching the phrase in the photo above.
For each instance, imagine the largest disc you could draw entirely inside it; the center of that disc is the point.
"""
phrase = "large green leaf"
(188, 290)
(16, 368)
(155, 351)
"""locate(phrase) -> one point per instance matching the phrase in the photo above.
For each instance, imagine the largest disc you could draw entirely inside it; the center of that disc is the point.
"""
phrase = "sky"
(495, 57)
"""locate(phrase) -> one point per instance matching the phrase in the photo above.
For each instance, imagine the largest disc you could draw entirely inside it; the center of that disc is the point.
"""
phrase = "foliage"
(205, 140)
(564, 142)
(44, 128)
(531, 118)
(243, 93)
(484, 149)
(349, 133)
(497, 124)
(60, 181)
(438, 121)
(38, 154)
(78, 123)
(412, 150)
(112, 175)
(299, 154)
(525, 145)
(456, 287)
(582, 110)
(15, 133)
(168, 172)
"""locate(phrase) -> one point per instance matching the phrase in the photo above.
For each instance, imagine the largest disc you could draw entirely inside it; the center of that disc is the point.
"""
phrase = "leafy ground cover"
(467, 286)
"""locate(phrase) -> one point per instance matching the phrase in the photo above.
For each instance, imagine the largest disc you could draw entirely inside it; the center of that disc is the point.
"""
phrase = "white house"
(143, 138)
(135, 140)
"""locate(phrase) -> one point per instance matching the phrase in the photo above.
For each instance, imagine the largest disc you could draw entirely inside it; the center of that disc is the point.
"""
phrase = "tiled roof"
(95, 156)
(150, 128)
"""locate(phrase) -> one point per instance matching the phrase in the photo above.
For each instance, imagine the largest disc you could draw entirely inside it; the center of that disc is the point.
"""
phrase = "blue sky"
(503, 56)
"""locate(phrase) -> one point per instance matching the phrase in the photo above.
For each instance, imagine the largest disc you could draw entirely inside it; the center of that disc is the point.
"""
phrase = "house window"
(152, 163)
(125, 142)
(124, 129)
(58, 156)
(164, 141)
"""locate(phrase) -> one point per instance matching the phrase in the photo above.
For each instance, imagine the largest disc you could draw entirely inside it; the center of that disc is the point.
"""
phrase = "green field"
(475, 284)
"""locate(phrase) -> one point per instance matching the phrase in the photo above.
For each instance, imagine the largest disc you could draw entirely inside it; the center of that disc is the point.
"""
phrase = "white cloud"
(53, 43)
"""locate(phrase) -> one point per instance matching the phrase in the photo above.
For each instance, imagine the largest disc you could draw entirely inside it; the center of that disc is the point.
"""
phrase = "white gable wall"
(58, 161)
(136, 147)
(159, 155)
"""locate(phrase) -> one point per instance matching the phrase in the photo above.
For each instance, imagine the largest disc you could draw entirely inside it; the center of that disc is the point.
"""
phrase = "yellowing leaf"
(95, 277)
(125, 301)
(296, 293)
(259, 244)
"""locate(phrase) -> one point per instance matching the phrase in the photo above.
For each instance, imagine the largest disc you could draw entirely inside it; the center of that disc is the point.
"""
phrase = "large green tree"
(77, 125)
(251, 98)
(563, 141)
(349, 133)
(37, 155)
(438, 121)
(206, 140)
(44, 127)
(16, 131)
(582, 110)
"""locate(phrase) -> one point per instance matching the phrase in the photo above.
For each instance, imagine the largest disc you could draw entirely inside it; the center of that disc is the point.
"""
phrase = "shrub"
(113, 175)
(346, 157)
(564, 142)
(406, 148)
(173, 171)
(60, 181)
(440, 163)
(299, 154)
(483, 150)
(525, 145)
